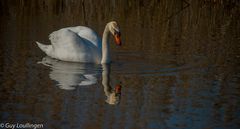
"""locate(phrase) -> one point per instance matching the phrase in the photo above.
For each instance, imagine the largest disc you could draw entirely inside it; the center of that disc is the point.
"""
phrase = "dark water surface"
(178, 67)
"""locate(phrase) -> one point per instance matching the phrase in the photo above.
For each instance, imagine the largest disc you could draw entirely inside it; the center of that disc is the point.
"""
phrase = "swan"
(81, 44)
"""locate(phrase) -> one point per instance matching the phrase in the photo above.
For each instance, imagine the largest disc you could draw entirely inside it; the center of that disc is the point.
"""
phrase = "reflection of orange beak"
(118, 89)
(118, 39)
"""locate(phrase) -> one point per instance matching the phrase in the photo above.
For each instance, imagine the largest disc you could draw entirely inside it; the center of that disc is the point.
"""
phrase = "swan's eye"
(117, 33)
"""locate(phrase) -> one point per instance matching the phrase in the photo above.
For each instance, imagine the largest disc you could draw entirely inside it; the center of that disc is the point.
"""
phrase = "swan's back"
(84, 32)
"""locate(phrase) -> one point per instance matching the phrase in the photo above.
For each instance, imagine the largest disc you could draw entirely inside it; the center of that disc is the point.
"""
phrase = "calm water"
(179, 66)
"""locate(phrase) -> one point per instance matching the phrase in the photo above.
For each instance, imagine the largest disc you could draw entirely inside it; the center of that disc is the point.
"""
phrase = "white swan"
(81, 44)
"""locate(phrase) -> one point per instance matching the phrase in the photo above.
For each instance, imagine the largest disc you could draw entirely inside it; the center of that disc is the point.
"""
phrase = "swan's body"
(81, 44)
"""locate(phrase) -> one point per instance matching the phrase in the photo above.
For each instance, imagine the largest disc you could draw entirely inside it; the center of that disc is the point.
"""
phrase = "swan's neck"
(105, 46)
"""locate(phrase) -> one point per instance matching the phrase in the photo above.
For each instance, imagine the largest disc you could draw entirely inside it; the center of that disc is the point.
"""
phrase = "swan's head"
(114, 29)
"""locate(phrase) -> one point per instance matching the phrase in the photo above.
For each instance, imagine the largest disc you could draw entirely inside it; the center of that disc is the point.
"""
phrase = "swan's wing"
(87, 34)
(68, 40)
(64, 37)
(70, 46)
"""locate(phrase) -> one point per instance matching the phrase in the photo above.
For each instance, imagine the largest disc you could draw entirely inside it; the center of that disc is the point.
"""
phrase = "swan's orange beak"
(117, 39)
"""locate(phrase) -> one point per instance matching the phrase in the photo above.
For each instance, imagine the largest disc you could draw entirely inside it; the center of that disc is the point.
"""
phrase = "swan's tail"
(44, 48)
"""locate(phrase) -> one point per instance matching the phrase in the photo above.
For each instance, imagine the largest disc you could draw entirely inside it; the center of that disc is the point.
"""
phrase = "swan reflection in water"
(113, 95)
(69, 75)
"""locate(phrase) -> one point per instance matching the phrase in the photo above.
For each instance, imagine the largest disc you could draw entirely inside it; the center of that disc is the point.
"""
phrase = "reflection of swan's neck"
(113, 98)
(105, 80)
(105, 46)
